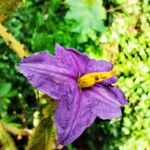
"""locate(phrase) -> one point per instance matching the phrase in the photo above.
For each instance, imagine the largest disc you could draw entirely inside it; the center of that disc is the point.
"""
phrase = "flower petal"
(106, 101)
(72, 59)
(119, 94)
(47, 74)
(98, 66)
(72, 117)
(107, 112)
(111, 80)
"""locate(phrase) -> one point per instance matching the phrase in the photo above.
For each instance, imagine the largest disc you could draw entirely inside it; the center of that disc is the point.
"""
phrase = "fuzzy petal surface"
(106, 101)
(98, 66)
(73, 60)
(47, 74)
(110, 81)
(72, 117)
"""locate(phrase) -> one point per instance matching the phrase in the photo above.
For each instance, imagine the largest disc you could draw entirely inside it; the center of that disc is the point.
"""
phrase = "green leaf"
(4, 102)
(89, 18)
(42, 41)
(5, 88)
(6, 142)
(42, 136)
(54, 5)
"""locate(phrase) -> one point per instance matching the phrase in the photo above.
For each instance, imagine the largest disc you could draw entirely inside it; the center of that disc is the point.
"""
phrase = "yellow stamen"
(90, 79)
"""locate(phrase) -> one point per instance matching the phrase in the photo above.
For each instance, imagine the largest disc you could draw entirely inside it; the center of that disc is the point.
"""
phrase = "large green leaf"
(89, 15)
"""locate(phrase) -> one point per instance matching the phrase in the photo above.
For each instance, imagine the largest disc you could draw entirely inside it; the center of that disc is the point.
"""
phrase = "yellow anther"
(90, 79)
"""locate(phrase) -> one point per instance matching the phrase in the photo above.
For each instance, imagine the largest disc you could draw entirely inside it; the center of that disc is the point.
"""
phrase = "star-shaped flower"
(82, 87)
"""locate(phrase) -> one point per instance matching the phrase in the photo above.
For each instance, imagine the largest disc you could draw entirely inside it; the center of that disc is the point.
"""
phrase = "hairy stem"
(14, 44)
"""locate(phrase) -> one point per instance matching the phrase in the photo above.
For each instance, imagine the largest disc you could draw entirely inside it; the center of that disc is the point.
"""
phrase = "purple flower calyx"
(90, 79)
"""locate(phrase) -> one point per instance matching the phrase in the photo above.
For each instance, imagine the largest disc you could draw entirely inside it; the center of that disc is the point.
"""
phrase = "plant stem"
(14, 44)
(6, 142)
(16, 131)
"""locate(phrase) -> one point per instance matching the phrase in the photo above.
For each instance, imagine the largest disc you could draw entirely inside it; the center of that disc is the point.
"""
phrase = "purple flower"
(82, 87)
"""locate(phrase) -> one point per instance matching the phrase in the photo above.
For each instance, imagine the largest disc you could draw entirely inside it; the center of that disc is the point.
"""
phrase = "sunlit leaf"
(42, 136)
(88, 15)
(6, 142)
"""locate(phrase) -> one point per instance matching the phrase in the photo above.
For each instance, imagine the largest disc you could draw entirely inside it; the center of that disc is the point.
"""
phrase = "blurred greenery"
(115, 30)
(87, 22)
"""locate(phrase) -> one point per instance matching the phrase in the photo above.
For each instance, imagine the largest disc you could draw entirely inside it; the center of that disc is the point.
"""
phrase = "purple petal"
(98, 66)
(119, 94)
(107, 112)
(111, 80)
(106, 101)
(47, 74)
(72, 59)
(72, 117)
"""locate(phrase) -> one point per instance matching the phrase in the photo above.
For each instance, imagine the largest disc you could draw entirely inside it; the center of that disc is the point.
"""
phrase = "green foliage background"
(115, 30)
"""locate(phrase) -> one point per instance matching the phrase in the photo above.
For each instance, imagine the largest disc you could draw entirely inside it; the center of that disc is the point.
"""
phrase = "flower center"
(90, 79)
